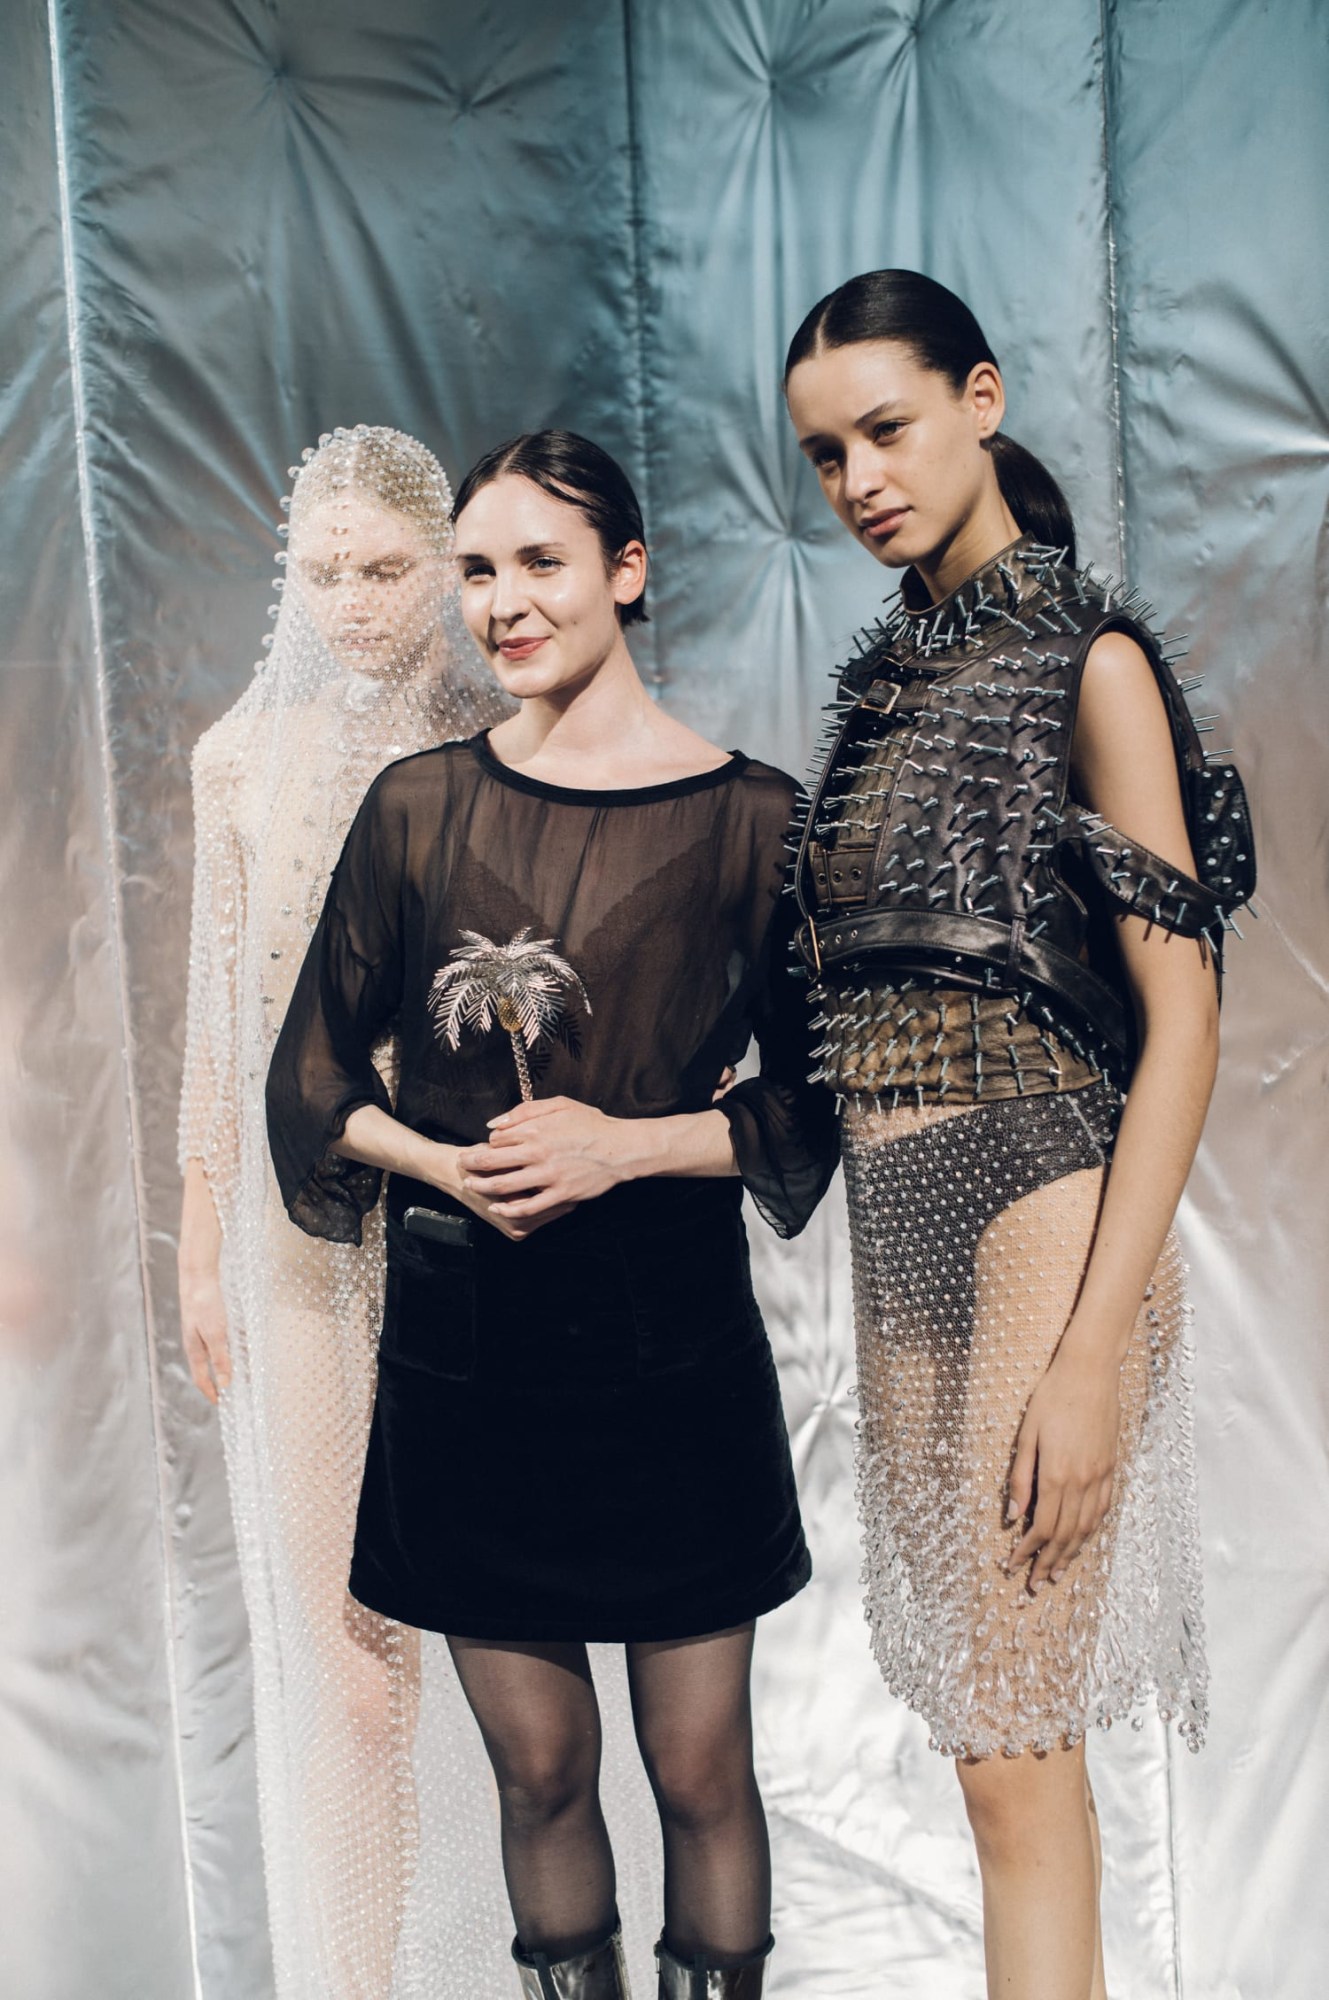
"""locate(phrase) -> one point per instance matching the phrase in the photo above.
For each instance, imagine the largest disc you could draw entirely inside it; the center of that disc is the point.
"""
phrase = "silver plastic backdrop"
(230, 226)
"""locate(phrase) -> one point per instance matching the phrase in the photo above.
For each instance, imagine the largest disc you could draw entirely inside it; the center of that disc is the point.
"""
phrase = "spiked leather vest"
(943, 841)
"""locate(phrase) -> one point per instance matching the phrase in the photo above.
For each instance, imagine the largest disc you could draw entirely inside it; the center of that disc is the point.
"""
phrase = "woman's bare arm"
(1126, 770)
(556, 1151)
(203, 1329)
(374, 1137)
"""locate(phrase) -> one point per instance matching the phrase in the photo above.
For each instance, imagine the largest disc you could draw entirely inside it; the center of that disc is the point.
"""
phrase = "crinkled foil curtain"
(231, 225)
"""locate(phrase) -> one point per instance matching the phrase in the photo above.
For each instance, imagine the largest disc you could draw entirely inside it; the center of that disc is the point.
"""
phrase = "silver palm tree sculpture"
(523, 986)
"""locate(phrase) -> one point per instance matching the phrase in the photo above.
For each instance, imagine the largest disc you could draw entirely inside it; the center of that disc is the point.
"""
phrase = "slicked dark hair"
(580, 474)
(943, 335)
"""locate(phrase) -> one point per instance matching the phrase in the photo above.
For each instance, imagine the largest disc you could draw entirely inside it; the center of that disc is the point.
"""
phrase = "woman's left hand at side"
(544, 1155)
(1065, 1460)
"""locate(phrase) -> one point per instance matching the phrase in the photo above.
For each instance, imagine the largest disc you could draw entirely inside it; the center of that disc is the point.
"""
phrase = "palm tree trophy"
(523, 986)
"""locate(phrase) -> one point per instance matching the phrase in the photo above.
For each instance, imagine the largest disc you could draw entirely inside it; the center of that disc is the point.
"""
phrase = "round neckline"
(628, 795)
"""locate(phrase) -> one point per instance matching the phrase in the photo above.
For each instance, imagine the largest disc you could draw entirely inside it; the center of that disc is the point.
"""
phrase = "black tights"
(536, 1707)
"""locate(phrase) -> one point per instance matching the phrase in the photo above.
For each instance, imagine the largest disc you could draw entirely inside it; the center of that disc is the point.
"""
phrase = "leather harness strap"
(952, 946)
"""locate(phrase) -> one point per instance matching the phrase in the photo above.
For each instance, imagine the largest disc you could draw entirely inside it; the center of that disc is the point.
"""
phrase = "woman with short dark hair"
(578, 1432)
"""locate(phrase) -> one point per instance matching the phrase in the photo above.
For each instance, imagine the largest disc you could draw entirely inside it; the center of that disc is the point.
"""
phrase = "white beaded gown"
(377, 1807)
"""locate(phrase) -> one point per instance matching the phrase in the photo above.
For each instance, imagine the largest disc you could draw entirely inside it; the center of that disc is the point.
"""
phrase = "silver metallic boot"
(694, 1979)
(598, 1974)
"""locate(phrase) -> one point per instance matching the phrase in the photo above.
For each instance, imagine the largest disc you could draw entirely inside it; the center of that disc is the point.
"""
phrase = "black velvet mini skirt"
(579, 1436)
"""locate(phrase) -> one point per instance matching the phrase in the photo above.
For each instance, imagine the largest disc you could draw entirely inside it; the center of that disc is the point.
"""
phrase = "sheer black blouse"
(666, 900)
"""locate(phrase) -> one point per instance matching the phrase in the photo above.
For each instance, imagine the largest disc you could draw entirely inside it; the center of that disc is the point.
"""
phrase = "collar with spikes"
(1006, 589)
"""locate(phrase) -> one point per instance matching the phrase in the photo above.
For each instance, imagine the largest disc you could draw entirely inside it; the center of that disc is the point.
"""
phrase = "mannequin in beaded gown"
(365, 1749)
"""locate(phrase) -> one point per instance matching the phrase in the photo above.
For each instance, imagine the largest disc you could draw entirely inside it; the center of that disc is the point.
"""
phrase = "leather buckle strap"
(882, 697)
(953, 947)
(809, 819)
(885, 697)
(840, 874)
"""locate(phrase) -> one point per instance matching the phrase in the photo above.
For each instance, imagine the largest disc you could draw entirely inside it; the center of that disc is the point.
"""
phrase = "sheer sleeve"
(784, 1128)
(348, 991)
(208, 1129)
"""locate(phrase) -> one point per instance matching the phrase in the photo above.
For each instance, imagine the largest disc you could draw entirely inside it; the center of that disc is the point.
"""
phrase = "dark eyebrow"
(526, 553)
(863, 423)
(870, 417)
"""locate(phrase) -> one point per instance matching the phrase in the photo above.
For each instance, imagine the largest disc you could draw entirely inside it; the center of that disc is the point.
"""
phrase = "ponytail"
(943, 335)
(1033, 495)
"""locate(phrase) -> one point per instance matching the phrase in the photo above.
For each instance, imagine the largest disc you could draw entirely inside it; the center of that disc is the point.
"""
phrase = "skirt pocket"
(430, 1311)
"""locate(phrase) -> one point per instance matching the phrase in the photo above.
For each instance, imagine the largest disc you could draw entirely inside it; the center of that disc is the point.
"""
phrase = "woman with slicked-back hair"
(1015, 880)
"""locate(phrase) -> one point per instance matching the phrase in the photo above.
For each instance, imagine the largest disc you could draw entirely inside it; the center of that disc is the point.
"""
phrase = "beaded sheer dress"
(376, 1801)
(972, 1231)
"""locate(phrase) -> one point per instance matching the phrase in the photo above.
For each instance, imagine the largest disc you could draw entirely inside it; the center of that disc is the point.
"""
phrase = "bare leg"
(944, 1382)
(1033, 1829)
(351, 1680)
(692, 1709)
(536, 1707)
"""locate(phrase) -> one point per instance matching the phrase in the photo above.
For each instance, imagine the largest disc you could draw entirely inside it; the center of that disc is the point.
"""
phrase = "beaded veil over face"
(368, 660)
(367, 1758)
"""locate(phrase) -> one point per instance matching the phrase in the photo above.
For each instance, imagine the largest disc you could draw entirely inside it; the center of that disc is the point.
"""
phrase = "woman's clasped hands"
(540, 1160)
(545, 1156)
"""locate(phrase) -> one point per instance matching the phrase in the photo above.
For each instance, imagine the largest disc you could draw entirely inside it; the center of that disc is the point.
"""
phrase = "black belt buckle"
(883, 697)
(438, 1227)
